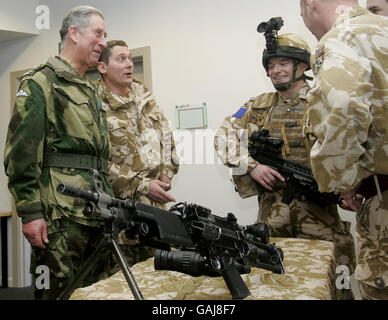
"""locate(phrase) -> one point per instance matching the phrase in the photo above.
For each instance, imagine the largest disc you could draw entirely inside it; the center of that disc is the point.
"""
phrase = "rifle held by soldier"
(299, 178)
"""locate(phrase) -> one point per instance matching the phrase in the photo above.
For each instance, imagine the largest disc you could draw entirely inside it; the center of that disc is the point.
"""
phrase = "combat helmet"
(288, 45)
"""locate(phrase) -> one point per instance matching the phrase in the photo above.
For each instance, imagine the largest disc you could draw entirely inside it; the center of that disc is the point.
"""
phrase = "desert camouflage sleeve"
(231, 142)
(340, 113)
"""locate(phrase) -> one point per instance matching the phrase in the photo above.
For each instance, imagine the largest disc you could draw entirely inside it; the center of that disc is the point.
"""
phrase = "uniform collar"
(301, 96)
(64, 70)
(349, 13)
(114, 101)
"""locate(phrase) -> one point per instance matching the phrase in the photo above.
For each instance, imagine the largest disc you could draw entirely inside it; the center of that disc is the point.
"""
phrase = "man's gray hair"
(78, 17)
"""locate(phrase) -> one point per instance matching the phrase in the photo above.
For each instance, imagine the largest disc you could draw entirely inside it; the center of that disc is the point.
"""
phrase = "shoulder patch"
(319, 57)
(240, 113)
(22, 93)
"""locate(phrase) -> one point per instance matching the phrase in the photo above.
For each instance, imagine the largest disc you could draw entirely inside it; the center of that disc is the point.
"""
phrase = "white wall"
(202, 51)
(18, 15)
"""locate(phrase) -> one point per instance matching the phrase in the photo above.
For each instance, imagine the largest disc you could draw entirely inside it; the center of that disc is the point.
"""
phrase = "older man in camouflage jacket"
(348, 119)
(282, 113)
(57, 123)
(143, 158)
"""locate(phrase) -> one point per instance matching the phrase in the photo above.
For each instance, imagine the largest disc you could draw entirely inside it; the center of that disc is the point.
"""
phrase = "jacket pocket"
(74, 116)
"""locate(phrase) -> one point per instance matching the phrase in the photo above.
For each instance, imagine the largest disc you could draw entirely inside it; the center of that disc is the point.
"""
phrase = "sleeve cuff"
(29, 212)
(168, 173)
(144, 186)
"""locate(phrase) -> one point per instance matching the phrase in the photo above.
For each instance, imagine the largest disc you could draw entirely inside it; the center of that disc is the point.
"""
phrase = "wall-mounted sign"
(191, 116)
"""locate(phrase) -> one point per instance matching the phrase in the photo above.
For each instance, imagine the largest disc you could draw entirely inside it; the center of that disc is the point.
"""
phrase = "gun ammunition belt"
(75, 161)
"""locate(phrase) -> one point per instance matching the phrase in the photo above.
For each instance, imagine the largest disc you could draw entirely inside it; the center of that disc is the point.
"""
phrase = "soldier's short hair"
(107, 51)
(78, 17)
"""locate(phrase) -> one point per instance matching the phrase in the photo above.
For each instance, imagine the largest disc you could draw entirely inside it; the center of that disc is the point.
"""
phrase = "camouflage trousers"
(70, 246)
(372, 236)
(302, 219)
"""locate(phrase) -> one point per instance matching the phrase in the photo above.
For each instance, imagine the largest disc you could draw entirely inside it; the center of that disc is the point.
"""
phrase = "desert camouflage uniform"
(348, 117)
(301, 219)
(142, 149)
(57, 112)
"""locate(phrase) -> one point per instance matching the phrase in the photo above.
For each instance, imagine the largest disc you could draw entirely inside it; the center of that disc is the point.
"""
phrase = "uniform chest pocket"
(155, 120)
(119, 131)
(259, 116)
(72, 114)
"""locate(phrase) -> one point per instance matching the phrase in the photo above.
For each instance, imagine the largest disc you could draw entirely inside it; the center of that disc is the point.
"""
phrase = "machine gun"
(221, 246)
(299, 178)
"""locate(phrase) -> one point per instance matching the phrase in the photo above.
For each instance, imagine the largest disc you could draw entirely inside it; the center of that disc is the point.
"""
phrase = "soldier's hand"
(266, 176)
(351, 201)
(36, 233)
(166, 180)
(157, 192)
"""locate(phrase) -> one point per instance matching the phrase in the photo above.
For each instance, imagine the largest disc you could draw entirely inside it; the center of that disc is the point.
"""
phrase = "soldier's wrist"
(252, 165)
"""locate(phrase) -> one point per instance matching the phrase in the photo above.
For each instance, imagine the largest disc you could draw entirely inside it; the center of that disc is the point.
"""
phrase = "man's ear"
(101, 66)
(304, 66)
(311, 4)
(73, 34)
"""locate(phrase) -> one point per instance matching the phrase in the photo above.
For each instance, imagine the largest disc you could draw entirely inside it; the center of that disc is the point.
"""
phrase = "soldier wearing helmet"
(289, 47)
(282, 112)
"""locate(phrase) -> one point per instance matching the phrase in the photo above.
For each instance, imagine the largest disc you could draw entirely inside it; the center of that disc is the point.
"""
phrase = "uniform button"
(380, 283)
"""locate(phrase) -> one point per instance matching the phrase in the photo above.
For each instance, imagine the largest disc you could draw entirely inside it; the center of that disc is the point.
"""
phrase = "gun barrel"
(66, 189)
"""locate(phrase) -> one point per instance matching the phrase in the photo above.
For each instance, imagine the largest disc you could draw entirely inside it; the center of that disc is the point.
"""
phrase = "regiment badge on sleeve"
(319, 57)
(240, 113)
(22, 93)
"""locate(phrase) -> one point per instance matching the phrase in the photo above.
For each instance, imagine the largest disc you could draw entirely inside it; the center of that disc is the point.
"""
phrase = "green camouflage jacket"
(143, 147)
(56, 111)
(348, 105)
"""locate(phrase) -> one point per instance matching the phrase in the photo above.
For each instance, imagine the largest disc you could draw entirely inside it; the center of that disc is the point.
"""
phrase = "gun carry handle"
(233, 280)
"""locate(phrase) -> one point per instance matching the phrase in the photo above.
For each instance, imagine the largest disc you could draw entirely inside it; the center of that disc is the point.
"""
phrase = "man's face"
(281, 70)
(119, 70)
(92, 41)
(378, 7)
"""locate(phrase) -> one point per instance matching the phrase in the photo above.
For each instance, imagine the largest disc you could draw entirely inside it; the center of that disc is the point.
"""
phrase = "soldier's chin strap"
(287, 85)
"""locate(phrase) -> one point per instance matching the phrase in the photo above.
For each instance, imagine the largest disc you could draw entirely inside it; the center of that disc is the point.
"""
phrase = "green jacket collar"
(64, 70)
